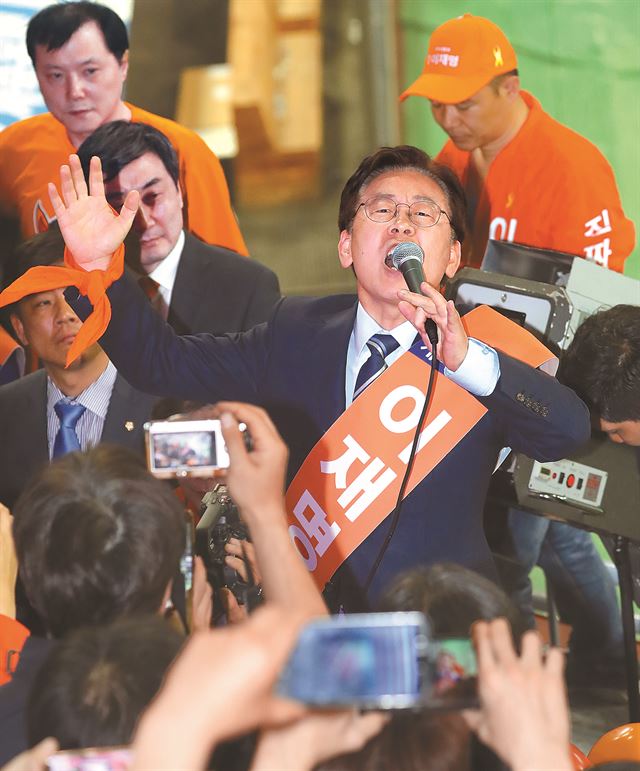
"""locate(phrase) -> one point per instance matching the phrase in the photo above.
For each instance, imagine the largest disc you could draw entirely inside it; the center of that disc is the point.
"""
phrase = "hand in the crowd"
(242, 558)
(523, 716)
(235, 612)
(202, 597)
(91, 229)
(220, 686)
(8, 565)
(255, 479)
(452, 338)
(314, 739)
(33, 759)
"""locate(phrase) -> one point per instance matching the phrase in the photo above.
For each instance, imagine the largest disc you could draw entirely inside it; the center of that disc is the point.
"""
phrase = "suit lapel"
(329, 364)
(34, 420)
(185, 296)
(128, 410)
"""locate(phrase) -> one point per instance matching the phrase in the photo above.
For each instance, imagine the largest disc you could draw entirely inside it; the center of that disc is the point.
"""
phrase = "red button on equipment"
(571, 480)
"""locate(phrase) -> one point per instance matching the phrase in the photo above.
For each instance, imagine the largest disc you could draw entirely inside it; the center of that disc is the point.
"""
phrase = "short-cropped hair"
(403, 158)
(54, 25)
(120, 142)
(45, 248)
(602, 363)
(97, 538)
(94, 685)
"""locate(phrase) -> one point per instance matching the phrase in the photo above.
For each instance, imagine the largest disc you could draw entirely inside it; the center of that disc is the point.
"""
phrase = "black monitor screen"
(543, 265)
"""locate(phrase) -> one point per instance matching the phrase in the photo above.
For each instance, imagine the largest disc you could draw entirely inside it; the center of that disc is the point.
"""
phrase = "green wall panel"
(581, 59)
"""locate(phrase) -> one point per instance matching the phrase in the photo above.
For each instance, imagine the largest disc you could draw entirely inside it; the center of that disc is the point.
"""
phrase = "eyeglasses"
(423, 214)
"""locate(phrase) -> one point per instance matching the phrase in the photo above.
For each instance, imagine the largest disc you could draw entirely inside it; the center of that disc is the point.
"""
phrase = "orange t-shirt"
(32, 151)
(550, 188)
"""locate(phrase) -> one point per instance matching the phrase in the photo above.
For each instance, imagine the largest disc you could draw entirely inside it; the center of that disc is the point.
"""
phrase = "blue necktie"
(380, 346)
(66, 438)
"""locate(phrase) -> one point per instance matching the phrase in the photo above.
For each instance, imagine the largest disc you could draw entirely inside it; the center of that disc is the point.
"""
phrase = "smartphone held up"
(379, 661)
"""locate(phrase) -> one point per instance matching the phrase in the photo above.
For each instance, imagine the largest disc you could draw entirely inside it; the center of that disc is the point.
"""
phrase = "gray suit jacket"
(23, 428)
(218, 291)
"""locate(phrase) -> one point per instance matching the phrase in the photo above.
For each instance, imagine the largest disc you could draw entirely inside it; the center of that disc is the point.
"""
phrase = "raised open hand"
(91, 229)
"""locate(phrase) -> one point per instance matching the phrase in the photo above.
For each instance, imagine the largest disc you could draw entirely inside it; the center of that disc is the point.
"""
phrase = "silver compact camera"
(185, 448)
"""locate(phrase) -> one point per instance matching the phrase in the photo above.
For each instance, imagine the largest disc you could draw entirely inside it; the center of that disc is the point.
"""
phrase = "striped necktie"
(152, 289)
(380, 346)
(66, 439)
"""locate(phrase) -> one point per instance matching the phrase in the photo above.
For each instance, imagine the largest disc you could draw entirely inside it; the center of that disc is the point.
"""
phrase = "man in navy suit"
(197, 287)
(303, 364)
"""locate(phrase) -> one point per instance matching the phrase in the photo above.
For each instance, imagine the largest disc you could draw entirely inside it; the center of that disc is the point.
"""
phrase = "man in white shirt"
(301, 366)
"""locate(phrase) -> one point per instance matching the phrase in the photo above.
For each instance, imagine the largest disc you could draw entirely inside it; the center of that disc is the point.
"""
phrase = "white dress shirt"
(95, 399)
(478, 373)
(165, 273)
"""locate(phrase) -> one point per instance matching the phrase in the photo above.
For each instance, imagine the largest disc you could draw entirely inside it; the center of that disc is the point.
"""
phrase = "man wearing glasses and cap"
(527, 178)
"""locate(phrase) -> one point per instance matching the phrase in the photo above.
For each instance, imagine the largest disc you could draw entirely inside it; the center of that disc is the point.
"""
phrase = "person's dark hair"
(97, 538)
(500, 79)
(93, 686)
(120, 142)
(402, 158)
(453, 598)
(421, 741)
(54, 25)
(42, 249)
(602, 363)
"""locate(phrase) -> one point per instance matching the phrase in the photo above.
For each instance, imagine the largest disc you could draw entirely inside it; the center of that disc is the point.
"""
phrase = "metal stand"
(552, 615)
(623, 565)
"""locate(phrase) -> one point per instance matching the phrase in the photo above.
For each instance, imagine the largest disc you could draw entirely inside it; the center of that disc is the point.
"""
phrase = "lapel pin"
(129, 425)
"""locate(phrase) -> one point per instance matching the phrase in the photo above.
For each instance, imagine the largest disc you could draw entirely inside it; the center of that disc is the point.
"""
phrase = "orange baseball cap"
(464, 55)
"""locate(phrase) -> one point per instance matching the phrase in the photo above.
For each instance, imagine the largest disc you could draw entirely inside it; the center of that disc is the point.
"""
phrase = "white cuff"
(480, 370)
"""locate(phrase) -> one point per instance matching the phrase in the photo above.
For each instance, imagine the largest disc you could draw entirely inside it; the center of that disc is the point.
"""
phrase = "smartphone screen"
(453, 674)
(91, 759)
(371, 660)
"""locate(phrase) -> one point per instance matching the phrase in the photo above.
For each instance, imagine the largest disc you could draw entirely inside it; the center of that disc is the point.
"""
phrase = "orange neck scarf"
(93, 284)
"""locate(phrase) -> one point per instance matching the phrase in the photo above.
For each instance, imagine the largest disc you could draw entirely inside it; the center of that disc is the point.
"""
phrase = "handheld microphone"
(408, 257)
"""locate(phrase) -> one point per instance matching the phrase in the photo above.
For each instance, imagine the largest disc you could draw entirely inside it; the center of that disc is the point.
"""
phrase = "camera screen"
(186, 449)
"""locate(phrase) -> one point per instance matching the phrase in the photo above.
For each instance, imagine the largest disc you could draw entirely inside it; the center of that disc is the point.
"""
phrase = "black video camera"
(221, 521)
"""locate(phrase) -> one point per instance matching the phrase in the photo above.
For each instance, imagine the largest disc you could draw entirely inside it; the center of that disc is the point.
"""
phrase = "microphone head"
(405, 251)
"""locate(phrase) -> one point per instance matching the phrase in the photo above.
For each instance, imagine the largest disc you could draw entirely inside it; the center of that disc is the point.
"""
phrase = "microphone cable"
(432, 333)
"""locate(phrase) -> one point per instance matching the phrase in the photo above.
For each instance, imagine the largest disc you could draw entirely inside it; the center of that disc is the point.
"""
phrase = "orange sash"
(350, 480)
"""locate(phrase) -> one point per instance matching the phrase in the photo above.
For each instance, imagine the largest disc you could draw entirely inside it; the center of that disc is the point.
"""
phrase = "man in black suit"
(29, 423)
(195, 286)
(305, 363)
